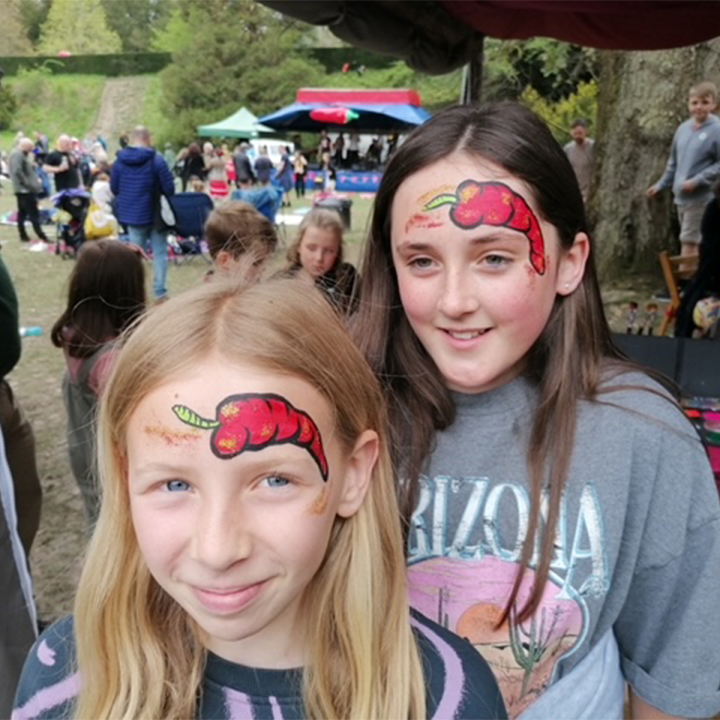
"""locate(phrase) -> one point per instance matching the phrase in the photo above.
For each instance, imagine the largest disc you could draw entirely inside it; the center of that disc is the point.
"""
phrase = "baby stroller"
(191, 210)
(70, 224)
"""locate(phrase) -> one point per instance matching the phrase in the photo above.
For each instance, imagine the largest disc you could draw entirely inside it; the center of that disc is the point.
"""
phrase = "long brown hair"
(106, 295)
(567, 362)
(139, 653)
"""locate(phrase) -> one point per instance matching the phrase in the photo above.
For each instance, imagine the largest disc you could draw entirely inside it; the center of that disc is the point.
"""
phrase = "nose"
(222, 537)
(459, 294)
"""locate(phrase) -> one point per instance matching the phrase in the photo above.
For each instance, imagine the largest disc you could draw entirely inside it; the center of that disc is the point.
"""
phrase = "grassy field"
(41, 283)
(74, 100)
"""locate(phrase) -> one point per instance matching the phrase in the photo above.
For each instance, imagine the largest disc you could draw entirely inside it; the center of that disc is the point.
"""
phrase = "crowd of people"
(431, 488)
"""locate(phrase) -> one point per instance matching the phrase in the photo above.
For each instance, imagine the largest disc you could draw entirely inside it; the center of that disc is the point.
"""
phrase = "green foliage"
(33, 14)
(80, 29)
(175, 35)
(13, 36)
(228, 53)
(552, 68)
(8, 107)
(136, 21)
(55, 103)
(108, 65)
(436, 92)
(560, 116)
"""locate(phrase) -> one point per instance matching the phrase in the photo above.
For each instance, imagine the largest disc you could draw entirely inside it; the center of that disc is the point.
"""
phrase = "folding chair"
(191, 210)
(670, 265)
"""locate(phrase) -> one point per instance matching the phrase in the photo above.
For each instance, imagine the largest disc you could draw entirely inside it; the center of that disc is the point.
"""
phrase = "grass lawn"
(41, 283)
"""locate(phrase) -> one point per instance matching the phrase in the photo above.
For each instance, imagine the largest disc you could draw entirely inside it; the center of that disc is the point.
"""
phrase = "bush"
(8, 107)
(560, 115)
(114, 65)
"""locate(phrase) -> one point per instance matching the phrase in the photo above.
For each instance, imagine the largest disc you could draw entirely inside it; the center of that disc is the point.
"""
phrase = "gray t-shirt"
(637, 550)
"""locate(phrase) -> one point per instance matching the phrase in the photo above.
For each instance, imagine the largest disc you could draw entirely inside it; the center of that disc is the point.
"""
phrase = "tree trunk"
(642, 99)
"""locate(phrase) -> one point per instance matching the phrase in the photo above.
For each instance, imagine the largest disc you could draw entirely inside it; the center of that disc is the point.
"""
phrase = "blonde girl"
(562, 511)
(316, 256)
(248, 556)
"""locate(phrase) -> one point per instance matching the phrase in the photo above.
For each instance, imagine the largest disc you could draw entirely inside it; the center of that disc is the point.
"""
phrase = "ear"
(572, 265)
(223, 259)
(358, 473)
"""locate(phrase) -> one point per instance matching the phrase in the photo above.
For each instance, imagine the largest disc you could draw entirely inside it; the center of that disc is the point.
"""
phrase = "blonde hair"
(323, 219)
(139, 654)
(238, 228)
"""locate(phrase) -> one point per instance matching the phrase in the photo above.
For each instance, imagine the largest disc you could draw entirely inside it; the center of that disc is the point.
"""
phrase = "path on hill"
(121, 107)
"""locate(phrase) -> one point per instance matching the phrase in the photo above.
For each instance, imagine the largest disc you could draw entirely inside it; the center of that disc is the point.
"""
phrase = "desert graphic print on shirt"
(461, 575)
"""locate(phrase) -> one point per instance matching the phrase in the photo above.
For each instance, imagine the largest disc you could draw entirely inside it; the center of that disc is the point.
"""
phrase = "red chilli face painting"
(478, 274)
(256, 421)
(235, 480)
(494, 203)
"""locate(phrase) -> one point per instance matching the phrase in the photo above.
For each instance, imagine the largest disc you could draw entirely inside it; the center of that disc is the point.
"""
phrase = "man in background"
(139, 177)
(26, 185)
(580, 153)
(244, 175)
(63, 165)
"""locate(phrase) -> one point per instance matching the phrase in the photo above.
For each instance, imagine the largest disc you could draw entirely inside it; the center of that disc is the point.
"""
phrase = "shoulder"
(637, 399)
(49, 682)
(459, 681)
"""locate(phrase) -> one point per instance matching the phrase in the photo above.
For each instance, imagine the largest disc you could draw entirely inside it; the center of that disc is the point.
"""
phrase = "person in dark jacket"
(139, 176)
(20, 518)
(244, 175)
(193, 166)
(264, 167)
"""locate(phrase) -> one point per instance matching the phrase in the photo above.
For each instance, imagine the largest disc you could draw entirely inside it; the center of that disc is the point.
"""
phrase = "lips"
(466, 334)
(225, 601)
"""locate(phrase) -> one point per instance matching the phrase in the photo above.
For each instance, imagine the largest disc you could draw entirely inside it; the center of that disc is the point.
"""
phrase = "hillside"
(80, 105)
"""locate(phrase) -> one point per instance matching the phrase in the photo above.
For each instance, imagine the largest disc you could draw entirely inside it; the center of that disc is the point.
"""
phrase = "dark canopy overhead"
(436, 36)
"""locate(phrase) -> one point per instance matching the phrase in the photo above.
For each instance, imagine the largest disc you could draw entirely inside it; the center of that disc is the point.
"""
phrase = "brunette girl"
(106, 295)
(562, 511)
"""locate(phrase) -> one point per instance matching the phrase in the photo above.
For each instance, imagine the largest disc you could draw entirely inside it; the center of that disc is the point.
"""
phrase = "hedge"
(110, 65)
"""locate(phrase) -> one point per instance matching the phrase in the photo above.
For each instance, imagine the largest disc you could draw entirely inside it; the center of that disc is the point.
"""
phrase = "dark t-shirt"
(459, 683)
(67, 179)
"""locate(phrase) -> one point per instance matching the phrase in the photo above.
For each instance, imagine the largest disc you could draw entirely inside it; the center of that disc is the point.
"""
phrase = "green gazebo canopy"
(242, 124)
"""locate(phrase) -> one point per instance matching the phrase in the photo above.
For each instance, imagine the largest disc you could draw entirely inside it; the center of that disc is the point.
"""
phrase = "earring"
(567, 287)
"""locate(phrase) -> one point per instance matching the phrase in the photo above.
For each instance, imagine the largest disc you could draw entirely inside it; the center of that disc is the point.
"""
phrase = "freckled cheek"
(418, 299)
(527, 303)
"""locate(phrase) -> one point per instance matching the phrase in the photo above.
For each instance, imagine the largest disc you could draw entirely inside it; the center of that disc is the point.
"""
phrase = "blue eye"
(276, 481)
(421, 263)
(177, 486)
(497, 260)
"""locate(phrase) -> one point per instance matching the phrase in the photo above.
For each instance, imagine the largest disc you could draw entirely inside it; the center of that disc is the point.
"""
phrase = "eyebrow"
(494, 236)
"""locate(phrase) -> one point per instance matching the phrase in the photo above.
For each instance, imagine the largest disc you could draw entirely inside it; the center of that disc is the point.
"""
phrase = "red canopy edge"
(385, 97)
(608, 25)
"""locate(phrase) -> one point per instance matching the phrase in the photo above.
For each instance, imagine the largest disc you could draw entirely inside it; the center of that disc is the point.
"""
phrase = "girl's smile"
(236, 539)
(477, 294)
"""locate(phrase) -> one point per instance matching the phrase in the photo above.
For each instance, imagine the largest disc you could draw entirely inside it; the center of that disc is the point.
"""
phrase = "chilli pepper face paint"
(235, 523)
(478, 289)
